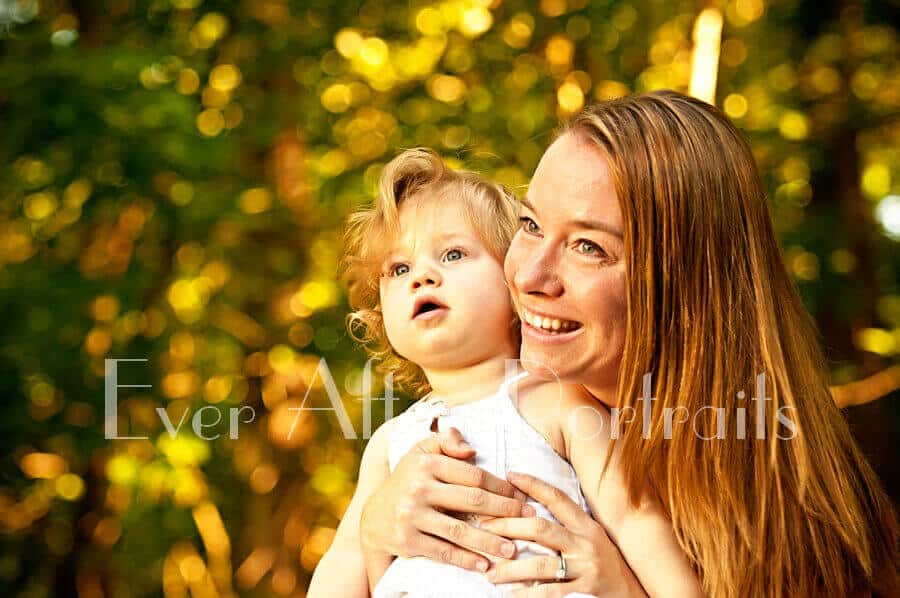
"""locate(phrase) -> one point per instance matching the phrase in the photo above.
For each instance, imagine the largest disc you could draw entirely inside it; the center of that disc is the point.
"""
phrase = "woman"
(688, 285)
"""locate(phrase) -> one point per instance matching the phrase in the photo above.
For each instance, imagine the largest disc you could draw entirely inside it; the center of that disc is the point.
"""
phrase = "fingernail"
(508, 549)
(482, 566)
(465, 445)
(528, 511)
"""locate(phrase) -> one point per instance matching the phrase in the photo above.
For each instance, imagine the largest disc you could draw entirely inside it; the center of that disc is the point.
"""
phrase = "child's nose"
(426, 277)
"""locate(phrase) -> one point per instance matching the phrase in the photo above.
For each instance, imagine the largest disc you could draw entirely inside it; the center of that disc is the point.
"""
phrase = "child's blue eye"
(394, 269)
(453, 252)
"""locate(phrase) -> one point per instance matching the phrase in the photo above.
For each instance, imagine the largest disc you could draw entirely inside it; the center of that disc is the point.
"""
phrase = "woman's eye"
(529, 225)
(453, 255)
(586, 247)
(398, 270)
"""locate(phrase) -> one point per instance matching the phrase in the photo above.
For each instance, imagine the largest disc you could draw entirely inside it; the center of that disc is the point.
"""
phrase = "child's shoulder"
(378, 444)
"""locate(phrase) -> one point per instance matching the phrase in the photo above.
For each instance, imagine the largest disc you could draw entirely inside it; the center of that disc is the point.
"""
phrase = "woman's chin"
(547, 363)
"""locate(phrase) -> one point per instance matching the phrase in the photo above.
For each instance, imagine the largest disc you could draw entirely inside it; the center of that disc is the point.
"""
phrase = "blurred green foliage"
(173, 179)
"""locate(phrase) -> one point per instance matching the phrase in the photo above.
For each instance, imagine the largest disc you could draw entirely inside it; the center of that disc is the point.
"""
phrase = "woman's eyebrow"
(588, 224)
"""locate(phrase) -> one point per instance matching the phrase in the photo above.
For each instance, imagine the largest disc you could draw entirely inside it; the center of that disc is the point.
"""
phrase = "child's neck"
(470, 383)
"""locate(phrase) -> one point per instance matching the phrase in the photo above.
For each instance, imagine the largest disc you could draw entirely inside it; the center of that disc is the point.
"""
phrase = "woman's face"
(566, 270)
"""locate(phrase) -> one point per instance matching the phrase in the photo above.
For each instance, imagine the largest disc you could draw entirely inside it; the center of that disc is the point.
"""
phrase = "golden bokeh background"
(174, 178)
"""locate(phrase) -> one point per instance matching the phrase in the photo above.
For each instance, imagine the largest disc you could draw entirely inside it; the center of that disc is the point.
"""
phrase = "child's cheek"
(390, 315)
(492, 300)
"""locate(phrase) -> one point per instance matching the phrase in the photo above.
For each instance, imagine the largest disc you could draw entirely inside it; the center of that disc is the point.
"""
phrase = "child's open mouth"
(427, 308)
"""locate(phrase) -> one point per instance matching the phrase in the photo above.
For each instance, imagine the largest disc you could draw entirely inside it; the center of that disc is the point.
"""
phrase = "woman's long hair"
(798, 511)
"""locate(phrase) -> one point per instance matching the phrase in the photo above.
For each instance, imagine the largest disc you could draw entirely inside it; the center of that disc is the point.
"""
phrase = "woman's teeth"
(552, 325)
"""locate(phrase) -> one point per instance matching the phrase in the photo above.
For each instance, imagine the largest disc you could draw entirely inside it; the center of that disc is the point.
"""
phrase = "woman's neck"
(604, 394)
(470, 383)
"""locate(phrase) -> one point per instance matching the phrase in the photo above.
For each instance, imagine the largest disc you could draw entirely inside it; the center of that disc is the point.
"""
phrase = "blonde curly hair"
(415, 173)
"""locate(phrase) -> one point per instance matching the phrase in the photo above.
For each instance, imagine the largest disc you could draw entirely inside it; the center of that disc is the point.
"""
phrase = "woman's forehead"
(574, 162)
(573, 182)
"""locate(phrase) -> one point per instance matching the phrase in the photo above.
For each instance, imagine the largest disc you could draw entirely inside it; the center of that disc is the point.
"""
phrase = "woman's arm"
(624, 552)
(643, 534)
(342, 570)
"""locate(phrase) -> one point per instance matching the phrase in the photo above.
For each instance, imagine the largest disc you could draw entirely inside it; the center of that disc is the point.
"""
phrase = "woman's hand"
(593, 563)
(406, 515)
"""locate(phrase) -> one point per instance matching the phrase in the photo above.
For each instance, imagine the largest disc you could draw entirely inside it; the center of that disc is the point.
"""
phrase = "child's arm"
(342, 570)
(376, 564)
(644, 534)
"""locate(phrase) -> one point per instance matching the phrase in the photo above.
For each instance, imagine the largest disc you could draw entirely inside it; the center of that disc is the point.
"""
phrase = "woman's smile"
(550, 337)
(548, 322)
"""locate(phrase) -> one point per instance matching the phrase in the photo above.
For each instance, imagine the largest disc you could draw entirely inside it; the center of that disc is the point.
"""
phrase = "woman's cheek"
(511, 262)
(620, 286)
(616, 308)
(605, 300)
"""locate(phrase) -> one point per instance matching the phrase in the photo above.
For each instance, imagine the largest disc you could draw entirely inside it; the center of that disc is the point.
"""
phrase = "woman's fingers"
(444, 552)
(454, 471)
(537, 529)
(557, 502)
(454, 445)
(462, 534)
(475, 500)
(537, 568)
(444, 443)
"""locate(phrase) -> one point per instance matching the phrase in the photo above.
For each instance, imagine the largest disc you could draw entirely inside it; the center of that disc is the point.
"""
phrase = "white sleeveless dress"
(503, 442)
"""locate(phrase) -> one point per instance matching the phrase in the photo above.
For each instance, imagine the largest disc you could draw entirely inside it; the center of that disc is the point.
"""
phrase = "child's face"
(438, 254)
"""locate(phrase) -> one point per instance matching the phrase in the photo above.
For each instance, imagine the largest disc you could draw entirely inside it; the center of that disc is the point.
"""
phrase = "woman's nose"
(538, 274)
